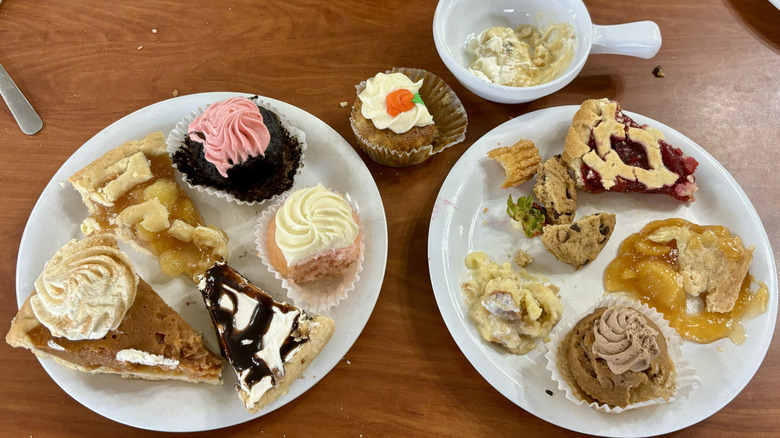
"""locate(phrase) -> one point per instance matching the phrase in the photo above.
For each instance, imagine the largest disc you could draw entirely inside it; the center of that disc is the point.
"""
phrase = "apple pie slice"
(91, 312)
(268, 343)
(131, 191)
(606, 150)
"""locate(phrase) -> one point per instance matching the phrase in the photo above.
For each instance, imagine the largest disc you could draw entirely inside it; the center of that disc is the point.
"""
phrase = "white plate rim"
(447, 291)
(162, 116)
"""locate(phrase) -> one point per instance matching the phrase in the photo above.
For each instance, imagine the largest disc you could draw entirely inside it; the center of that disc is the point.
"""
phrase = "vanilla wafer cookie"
(519, 161)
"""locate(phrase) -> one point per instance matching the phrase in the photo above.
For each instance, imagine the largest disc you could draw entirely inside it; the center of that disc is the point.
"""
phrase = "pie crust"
(132, 191)
(607, 150)
(269, 344)
(151, 342)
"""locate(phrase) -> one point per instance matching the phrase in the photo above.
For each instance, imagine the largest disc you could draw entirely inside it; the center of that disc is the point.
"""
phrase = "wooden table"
(85, 64)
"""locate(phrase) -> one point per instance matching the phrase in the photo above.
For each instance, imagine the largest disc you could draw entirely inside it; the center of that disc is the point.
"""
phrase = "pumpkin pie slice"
(606, 150)
(268, 343)
(132, 192)
(91, 312)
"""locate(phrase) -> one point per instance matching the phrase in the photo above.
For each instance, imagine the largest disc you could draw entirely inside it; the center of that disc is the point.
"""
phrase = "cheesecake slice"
(91, 312)
(268, 343)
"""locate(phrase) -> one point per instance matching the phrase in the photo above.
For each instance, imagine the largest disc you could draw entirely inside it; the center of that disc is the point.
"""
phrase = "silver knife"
(21, 109)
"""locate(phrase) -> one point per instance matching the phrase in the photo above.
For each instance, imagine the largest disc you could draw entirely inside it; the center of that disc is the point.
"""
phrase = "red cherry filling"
(634, 154)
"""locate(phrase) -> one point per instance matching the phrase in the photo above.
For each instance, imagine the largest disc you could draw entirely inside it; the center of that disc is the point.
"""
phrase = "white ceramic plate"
(460, 224)
(174, 406)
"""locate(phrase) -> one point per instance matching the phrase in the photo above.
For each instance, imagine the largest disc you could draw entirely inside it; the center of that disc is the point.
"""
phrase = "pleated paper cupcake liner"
(685, 376)
(448, 114)
(175, 140)
(317, 296)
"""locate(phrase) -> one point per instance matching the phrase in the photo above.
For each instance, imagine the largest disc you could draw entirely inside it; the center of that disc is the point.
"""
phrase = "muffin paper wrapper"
(175, 140)
(317, 296)
(448, 114)
(685, 376)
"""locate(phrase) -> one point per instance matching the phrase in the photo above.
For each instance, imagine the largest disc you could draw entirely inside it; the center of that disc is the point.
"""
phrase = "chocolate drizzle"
(240, 346)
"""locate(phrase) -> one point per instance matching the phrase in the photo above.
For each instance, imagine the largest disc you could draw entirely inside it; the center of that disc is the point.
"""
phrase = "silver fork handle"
(21, 109)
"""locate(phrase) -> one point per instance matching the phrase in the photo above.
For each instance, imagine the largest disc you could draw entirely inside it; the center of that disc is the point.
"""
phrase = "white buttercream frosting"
(85, 289)
(374, 108)
(314, 220)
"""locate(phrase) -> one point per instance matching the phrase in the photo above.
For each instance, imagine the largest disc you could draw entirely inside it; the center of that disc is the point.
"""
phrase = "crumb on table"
(658, 71)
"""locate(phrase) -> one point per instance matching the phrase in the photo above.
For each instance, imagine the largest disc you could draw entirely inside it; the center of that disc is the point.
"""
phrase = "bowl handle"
(641, 39)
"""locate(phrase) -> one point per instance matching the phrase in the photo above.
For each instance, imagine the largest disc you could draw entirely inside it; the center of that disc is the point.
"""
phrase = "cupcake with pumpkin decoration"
(404, 116)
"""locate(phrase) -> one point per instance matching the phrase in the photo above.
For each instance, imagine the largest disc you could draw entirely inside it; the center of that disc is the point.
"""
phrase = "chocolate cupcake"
(239, 149)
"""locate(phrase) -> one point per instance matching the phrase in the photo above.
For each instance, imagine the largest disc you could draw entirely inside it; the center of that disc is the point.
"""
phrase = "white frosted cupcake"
(241, 149)
(312, 240)
(404, 116)
(620, 355)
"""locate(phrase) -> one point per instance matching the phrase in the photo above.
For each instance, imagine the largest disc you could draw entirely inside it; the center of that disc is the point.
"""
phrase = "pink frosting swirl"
(231, 132)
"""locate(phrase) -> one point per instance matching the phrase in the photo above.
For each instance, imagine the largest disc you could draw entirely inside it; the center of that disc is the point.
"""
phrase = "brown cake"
(91, 312)
(616, 356)
(403, 116)
(241, 147)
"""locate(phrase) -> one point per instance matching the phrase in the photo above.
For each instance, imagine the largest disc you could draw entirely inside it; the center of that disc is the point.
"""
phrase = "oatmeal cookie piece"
(556, 190)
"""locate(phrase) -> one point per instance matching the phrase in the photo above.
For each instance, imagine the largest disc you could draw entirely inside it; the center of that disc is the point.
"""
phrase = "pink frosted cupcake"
(313, 241)
(240, 149)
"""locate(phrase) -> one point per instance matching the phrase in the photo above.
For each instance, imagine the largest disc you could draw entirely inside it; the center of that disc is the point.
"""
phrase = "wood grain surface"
(85, 64)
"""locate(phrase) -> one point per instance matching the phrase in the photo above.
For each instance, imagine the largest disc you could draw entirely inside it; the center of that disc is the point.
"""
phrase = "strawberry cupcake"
(312, 240)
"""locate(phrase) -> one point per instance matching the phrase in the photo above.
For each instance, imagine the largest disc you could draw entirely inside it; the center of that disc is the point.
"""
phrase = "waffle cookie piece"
(580, 242)
(519, 161)
(91, 312)
(268, 343)
(132, 192)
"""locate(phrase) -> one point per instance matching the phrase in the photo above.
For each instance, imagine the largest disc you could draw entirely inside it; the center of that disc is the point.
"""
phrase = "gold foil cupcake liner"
(685, 376)
(175, 140)
(317, 296)
(448, 114)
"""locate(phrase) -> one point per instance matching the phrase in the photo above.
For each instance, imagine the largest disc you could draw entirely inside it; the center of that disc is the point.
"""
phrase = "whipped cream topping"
(231, 131)
(311, 221)
(374, 100)
(85, 289)
(625, 340)
(144, 358)
(258, 335)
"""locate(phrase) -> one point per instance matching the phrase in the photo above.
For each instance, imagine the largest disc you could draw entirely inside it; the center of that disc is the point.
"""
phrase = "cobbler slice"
(608, 151)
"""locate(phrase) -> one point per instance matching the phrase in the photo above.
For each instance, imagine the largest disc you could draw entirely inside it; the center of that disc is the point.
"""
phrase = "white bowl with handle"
(456, 22)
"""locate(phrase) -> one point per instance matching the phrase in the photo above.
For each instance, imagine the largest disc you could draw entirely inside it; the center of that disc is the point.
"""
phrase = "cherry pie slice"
(608, 151)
